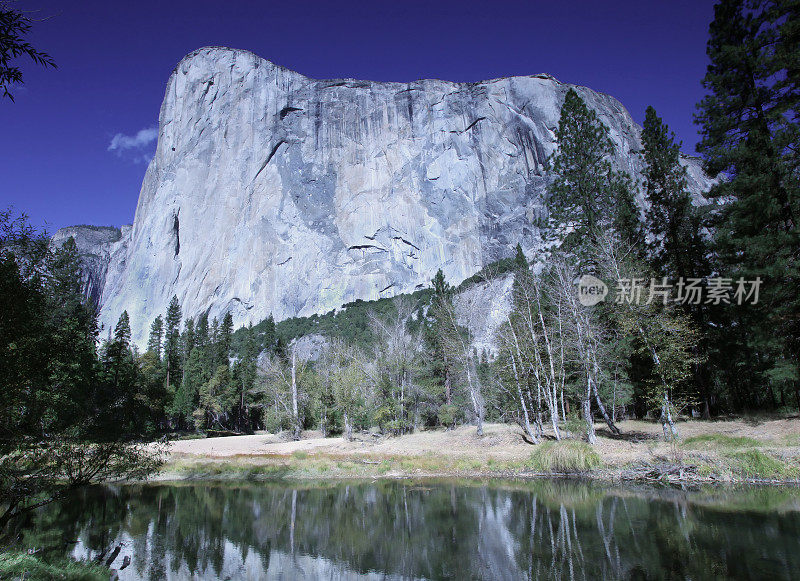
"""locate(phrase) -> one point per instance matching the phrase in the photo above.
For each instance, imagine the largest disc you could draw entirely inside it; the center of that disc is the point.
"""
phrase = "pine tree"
(269, 337)
(520, 261)
(676, 243)
(71, 348)
(55, 399)
(677, 249)
(748, 122)
(188, 338)
(201, 335)
(439, 368)
(244, 378)
(121, 406)
(156, 336)
(185, 401)
(172, 342)
(587, 193)
(224, 339)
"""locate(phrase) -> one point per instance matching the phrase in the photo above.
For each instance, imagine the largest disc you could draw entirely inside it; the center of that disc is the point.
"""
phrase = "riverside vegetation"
(77, 413)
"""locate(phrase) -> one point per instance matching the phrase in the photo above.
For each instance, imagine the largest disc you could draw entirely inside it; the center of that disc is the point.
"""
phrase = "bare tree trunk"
(447, 387)
(348, 429)
(609, 422)
(591, 437)
(525, 418)
(614, 399)
(552, 388)
(295, 411)
(476, 405)
(670, 431)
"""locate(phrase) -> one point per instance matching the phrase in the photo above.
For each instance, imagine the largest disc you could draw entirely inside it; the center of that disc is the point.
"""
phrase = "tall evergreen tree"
(156, 336)
(224, 339)
(72, 349)
(269, 337)
(188, 338)
(55, 434)
(677, 249)
(244, 379)
(172, 342)
(587, 192)
(121, 405)
(439, 370)
(201, 334)
(676, 244)
(186, 396)
(748, 122)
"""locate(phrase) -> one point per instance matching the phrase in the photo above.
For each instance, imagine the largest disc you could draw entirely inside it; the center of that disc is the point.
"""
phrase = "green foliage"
(215, 399)
(705, 441)
(21, 565)
(565, 457)
(587, 193)
(758, 464)
(156, 336)
(448, 415)
(70, 413)
(172, 342)
(490, 271)
(748, 123)
(676, 245)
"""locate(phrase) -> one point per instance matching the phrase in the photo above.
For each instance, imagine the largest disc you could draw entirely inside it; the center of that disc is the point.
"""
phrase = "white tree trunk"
(295, 411)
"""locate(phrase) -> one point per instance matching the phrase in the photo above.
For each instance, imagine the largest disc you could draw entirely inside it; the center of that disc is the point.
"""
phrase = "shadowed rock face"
(274, 193)
(96, 245)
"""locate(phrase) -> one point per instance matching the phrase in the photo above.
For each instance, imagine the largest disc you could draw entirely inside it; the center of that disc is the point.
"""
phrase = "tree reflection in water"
(437, 530)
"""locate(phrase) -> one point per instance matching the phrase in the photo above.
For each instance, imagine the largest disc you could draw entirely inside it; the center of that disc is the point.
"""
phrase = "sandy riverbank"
(733, 450)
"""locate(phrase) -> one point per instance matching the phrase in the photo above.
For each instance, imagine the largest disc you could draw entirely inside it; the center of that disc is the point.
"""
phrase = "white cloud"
(143, 138)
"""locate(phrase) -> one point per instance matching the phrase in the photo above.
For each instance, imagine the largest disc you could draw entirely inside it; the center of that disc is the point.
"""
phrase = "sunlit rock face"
(483, 308)
(274, 193)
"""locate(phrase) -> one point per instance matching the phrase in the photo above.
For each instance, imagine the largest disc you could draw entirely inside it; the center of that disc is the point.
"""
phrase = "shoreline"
(174, 477)
(729, 452)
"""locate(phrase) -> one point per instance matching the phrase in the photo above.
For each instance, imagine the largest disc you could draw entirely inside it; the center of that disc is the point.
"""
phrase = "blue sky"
(75, 145)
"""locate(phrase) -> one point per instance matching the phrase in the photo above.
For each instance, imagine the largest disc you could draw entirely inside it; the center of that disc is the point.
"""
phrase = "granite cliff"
(274, 193)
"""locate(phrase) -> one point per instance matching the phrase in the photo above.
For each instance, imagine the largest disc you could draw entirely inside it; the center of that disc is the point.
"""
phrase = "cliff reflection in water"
(509, 530)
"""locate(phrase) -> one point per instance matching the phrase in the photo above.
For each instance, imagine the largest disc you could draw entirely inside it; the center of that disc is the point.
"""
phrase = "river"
(405, 529)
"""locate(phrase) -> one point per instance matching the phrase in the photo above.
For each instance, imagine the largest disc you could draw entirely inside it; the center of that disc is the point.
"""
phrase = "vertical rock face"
(274, 193)
(96, 245)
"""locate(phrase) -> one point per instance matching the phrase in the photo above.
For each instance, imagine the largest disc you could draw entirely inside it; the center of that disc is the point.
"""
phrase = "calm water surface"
(429, 530)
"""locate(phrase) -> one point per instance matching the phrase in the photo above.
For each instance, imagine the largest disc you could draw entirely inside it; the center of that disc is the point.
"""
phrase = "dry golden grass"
(723, 450)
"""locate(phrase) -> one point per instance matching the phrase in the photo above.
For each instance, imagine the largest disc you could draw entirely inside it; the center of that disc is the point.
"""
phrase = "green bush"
(448, 414)
(397, 427)
(565, 457)
(275, 422)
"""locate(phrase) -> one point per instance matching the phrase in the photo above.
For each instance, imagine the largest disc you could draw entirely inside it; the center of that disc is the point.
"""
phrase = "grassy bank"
(21, 565)
(710, 452)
